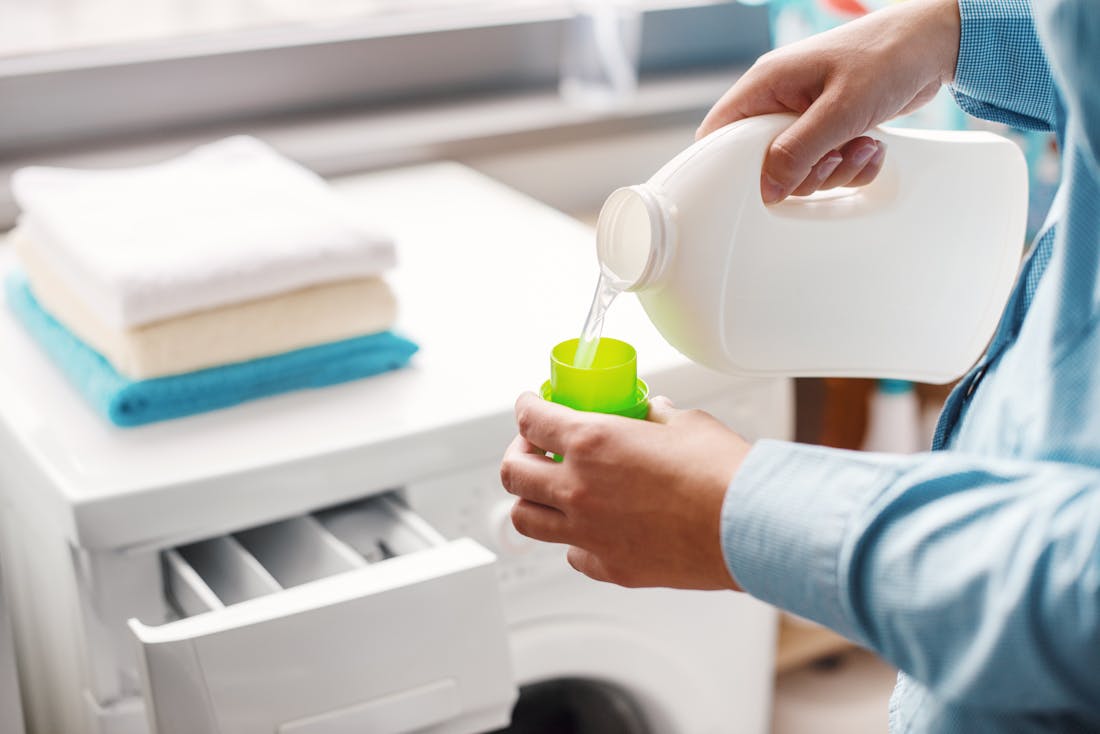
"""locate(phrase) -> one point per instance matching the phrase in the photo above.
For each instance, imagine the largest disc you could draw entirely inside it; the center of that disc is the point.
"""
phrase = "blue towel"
(126, 402)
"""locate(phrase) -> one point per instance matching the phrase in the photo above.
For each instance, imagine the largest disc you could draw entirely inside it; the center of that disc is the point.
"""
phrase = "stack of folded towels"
(227, 274)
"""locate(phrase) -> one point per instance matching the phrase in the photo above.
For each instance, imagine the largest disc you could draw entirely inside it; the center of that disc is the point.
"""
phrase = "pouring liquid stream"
(606, 290)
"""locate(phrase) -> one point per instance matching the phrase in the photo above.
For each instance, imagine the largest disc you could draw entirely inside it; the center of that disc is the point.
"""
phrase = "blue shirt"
(975, 569)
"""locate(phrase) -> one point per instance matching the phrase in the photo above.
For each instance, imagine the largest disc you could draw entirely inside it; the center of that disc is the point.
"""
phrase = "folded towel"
(220, 336)
(228, 222)
(129, 403)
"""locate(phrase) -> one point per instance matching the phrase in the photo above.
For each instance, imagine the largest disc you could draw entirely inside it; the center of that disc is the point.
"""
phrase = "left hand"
(640, 502)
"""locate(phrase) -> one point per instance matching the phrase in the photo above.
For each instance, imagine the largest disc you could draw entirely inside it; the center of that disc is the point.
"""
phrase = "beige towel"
(236, 333)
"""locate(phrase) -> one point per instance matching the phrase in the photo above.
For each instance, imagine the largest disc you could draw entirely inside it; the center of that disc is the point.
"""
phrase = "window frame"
(82, 98)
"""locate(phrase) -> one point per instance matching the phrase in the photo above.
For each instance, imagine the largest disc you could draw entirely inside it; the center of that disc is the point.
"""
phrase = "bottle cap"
(610, 385)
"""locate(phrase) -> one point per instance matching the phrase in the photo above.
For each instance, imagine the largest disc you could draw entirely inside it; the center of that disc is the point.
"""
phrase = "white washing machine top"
(488, 281)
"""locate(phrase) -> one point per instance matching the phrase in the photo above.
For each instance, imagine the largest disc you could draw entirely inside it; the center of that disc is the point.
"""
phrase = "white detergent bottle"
(904, 278)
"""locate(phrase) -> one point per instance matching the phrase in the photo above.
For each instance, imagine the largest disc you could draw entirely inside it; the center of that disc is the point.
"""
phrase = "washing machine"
(341, 560)
(11, 708)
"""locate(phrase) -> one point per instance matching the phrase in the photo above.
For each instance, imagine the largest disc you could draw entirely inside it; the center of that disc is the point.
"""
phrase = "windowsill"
(258, 30)
(83, 97)
(359, 140)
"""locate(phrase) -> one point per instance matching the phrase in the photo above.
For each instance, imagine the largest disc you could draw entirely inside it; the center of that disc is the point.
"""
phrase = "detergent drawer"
(356, 619)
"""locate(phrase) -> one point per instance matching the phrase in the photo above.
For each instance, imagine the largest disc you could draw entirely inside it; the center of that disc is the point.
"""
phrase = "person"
(975, 568)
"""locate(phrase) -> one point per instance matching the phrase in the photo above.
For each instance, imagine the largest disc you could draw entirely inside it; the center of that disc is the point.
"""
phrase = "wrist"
(943, 30)
(740, 452)
(923, 37)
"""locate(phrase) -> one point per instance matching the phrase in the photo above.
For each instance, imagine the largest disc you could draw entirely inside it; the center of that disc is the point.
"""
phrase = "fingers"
(595, 568)
(819, 150)
(539, 522)
(545, 424)
(819, 174)
(528, 474)
(857, 155)
(856, 164)
(661, 410)
(872, 169)
(587, 563)
(522, 445)
(796, 151)
(750, 95)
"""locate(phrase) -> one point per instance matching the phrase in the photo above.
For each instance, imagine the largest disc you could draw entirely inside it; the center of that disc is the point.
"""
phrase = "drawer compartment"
(221, 566)
(355, 619)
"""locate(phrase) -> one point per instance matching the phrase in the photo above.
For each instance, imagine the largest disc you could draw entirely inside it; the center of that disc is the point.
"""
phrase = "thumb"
(585, 562)
(661, 410)
(825, 126)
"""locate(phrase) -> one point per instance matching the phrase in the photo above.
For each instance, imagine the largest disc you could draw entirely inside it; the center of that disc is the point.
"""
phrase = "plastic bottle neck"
(635, 236)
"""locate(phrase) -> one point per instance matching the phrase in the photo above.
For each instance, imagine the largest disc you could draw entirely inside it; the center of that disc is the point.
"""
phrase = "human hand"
(842, 83)
(640, 502)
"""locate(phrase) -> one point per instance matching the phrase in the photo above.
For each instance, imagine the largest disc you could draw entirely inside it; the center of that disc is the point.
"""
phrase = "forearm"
(978, 577)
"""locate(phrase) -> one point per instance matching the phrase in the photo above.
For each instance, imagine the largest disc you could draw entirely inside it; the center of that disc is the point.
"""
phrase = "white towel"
(227, 222)
(215, 337)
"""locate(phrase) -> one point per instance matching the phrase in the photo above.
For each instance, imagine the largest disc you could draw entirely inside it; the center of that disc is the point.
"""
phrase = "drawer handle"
(398, 713)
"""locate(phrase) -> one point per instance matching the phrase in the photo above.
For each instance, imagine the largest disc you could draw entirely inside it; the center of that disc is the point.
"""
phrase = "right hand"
(842, 83)
(639, 502)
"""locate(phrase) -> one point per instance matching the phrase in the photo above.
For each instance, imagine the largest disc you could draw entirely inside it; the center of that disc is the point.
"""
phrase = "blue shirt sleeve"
(978, 577)
(1002, 74)
(1072, 30)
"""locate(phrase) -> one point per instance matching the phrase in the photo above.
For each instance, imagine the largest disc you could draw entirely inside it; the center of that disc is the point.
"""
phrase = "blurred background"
(346, 86)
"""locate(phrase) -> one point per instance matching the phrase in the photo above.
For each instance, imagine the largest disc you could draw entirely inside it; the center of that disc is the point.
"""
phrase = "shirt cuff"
(785, 519)
(1002, 74)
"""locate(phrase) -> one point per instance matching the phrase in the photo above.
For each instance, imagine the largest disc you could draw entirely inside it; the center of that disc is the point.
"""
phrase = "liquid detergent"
(903, 278)
(597, 374)
(606, 290)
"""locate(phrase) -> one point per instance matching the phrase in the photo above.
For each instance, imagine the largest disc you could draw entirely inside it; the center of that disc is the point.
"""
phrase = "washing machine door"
(603, 675)
(576, 706)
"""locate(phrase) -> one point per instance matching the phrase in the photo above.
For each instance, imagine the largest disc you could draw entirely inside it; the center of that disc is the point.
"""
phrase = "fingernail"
(828, 166)
(770, 189)
(863, 153)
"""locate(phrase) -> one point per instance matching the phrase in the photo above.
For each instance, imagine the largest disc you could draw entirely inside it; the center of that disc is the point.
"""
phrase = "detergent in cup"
(607, 383)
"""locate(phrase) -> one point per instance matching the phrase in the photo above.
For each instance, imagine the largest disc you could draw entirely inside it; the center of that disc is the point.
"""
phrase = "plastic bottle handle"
(637, 229)
(908, 152)
(831, 203)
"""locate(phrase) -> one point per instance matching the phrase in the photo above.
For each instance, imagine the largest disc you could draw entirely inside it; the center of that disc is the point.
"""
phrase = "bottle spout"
(634, 237)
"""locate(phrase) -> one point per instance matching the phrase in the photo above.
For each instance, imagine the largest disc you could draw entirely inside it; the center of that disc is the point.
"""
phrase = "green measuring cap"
(610, 385)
